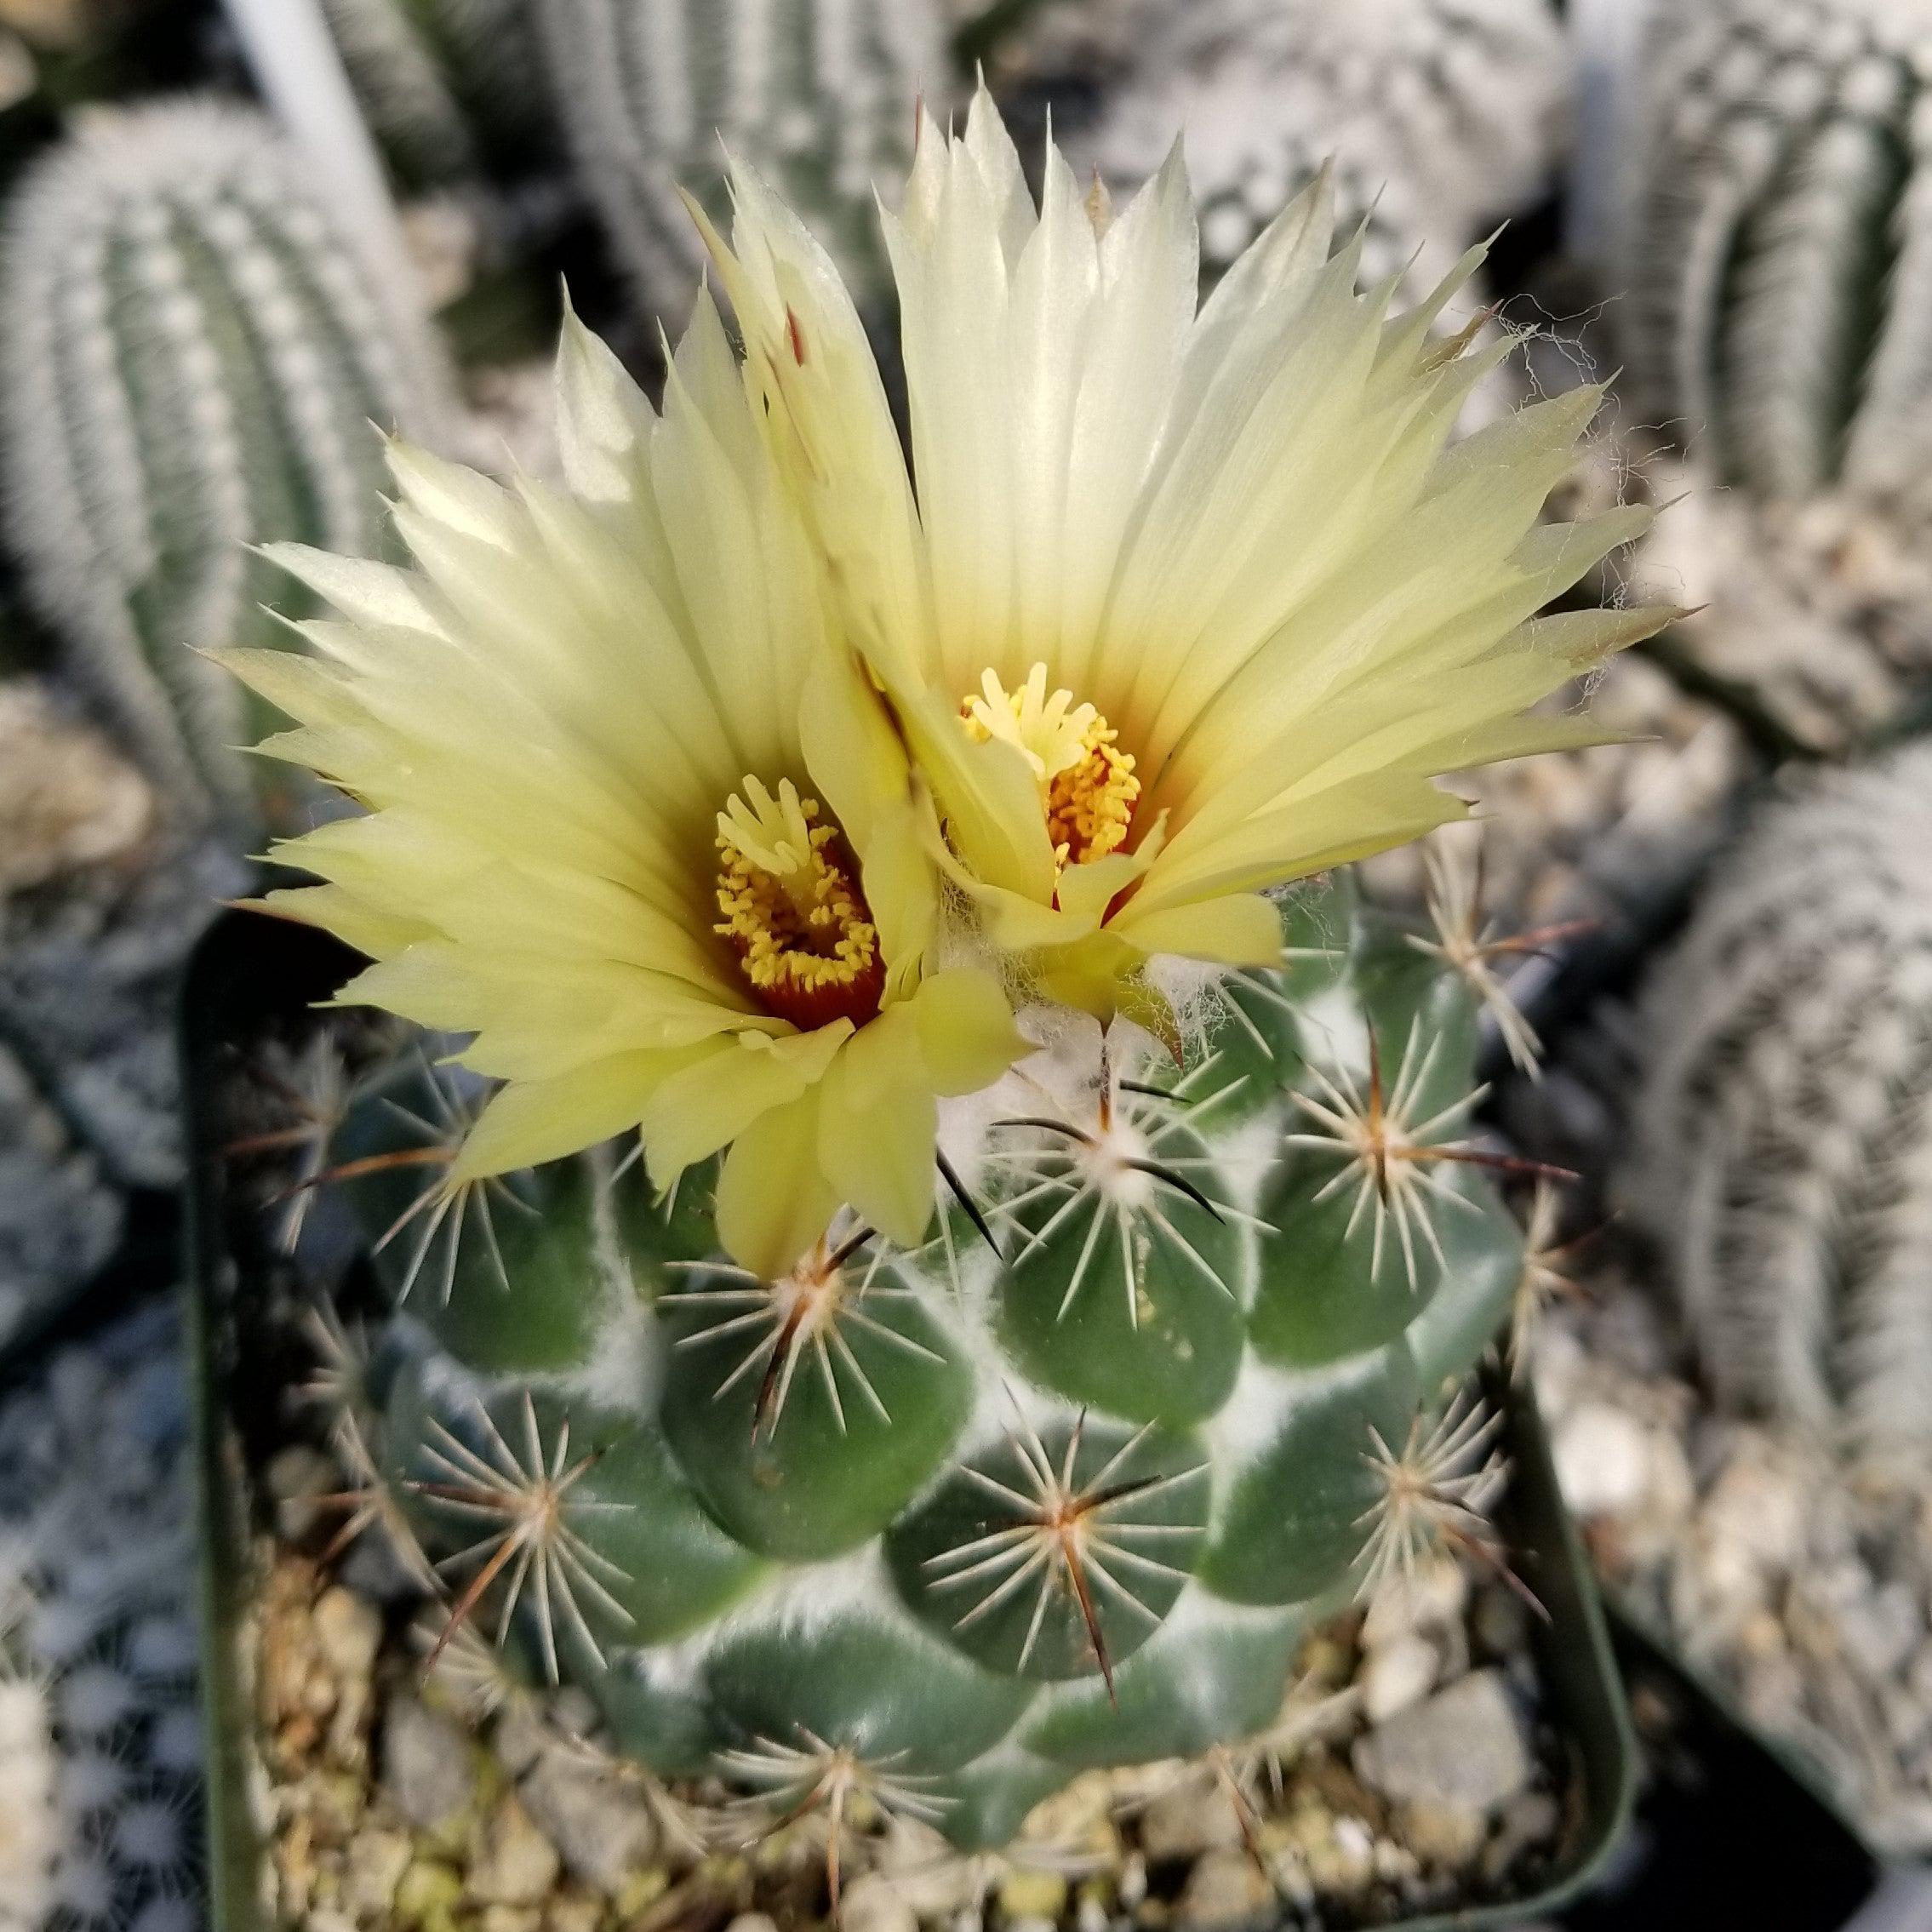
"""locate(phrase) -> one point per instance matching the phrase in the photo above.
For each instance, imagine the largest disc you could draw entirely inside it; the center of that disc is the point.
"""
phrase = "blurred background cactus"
(96, 1528)
(1778, 249)
(451, 89)
(1441, 116)
(819, 96)
(1781, 1147)
(918, 1526)
(193, 360)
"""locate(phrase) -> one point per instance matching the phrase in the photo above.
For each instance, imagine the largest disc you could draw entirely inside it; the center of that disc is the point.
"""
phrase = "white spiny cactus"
(28, 1823)
(1823, 608)
(1450, 110)
(446, 85)
(100, 1757)
(1783, 1138)
(1778, 239)
(192, 359)
(819, 95)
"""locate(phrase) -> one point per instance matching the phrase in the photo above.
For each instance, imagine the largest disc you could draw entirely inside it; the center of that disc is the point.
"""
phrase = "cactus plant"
(450, 88)
(942, 1528)
(1779, 239)
(1440, 114)
(820, 97)
(193, 358)
(27, 1828)
(1244, 182)
(1784, 1161)
(96, 1555)
(684, 802)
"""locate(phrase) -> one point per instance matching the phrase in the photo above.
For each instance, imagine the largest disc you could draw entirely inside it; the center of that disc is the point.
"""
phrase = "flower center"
(788, 892)
(1088, 789)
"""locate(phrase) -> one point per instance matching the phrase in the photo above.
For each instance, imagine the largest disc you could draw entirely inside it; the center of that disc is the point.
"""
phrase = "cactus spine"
(818, 95)
(1780, 245)
(193, 359)
(937, 1526)
(1784, 1136)
(448, 86)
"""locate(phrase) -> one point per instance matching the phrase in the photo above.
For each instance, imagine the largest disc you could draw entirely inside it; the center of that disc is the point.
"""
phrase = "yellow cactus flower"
(1178, 602)
(632, 822)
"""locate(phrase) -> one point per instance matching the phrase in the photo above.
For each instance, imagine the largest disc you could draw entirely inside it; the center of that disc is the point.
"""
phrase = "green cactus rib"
(947, 1526)
(1779, 251)
(819, 97)
(192, 360)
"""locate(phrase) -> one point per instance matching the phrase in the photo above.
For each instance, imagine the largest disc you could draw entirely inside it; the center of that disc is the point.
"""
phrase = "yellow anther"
(788, 892)
(1088, 789)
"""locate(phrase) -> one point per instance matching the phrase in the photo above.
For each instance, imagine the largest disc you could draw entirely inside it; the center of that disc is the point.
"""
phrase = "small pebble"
(1192, 1817)
(874, 1904)
(1603, 1460)
(603, 1828)
(349, 1632)
(1025, 1893)
(1396, 1675)
(428, 1766)
(1223, 1889)
(1465, 1746)
(515, 1864)
(1447, 1836)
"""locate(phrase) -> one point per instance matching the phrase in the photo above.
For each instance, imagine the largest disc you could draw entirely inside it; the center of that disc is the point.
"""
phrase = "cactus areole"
(913, 1274)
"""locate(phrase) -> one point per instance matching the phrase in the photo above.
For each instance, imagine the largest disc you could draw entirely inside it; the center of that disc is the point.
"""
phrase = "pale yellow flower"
(1176, 605)
(632, 822)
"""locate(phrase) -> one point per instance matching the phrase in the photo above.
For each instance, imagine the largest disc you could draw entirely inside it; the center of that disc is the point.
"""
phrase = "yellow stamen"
(788, 890)
(1088, 788)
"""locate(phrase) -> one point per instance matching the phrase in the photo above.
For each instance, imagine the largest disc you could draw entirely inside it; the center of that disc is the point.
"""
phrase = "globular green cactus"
(1778, 240)
(819, 97)
(450, 88)
(943, 1528)
(1783, 1153)
(191, 360)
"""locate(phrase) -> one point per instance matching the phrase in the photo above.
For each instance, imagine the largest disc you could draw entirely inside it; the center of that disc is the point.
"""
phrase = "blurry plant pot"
(251, 975)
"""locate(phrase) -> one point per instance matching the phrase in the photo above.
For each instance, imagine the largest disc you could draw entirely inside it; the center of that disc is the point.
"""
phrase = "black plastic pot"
(251, 975)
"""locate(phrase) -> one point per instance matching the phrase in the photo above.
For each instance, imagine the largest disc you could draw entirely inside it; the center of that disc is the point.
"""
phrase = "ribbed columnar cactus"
(946, 1527)
(1779, 243)
(450, 87)
(818, 95)
(1783, 1143)
(191, 360)
(1449, 110)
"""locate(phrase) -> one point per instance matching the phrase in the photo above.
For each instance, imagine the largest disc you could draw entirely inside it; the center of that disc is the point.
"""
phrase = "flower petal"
(774, 1200)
